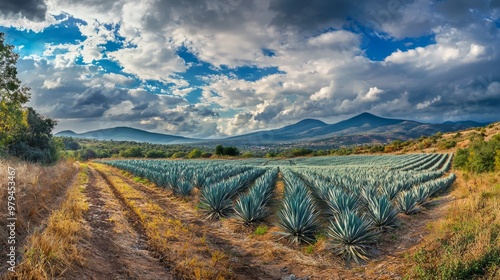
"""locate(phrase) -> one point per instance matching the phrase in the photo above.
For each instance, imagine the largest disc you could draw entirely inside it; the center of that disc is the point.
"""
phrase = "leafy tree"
(219, 150)
(12, 95)
(33, 142)
(155, 154)
(195, 153)
(88, 154)
(132, 152)
(230, 151)
(70, 144)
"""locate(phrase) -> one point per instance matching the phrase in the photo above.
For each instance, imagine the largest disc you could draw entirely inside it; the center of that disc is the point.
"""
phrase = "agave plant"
(421, 194)
(184, 188)
(339, 202)
(369, 193)
(215, 202)
(407, 203)
(298, 219)
(381, 213)
(249, 209)
(351, 237)
(391, 190)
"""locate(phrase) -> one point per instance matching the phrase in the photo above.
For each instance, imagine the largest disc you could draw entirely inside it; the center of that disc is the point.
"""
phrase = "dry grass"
(189, 255)
(38, 191)
(465, 244)
(48, 253)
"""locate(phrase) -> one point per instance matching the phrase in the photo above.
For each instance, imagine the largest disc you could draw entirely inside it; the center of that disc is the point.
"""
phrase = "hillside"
(128, 134)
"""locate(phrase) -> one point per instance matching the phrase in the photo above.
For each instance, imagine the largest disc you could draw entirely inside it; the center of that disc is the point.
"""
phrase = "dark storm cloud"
(32, 9)
(414, 17)
(211, 15)
(310, 15)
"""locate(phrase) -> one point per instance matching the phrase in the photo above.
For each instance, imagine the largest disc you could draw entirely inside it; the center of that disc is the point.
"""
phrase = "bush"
(206, 155)
(247, 155)
(195, 153)
(132, 152)
(155, 154)
(301, 152)
(179, 155)
(231, 151)
(481, 156)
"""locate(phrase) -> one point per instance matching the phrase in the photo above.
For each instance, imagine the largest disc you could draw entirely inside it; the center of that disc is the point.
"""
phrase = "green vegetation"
(464, 244)
(481, 156)
(226, 151)
(23, 132)
(261, 230)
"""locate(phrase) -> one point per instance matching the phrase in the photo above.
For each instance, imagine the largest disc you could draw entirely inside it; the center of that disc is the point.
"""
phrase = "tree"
(132, 152)
(70, 143)
(155, 154)
(230, 151)
(219, 150)
(195, 153)
(12, 95)
(33, 142)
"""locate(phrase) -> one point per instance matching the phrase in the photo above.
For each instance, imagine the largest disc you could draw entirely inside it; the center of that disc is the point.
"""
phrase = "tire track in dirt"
(116, 248)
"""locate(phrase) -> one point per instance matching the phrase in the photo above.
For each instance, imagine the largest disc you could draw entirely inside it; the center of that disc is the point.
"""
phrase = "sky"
(214, 68)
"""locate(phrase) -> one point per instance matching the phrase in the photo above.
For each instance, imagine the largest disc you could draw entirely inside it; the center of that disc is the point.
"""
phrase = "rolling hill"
(361, 129)
(128, 134)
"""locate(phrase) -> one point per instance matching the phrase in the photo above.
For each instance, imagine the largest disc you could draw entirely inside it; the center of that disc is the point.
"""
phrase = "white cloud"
(428, 103)
(52, 84)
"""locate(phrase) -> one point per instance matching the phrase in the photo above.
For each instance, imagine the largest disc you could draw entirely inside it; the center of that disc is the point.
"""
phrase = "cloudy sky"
(223, 67)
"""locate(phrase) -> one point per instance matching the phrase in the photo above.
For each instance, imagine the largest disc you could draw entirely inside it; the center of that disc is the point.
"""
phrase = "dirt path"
(116, 249)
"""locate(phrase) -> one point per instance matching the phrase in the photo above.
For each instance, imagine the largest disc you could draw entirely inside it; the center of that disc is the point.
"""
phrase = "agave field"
(350, 199)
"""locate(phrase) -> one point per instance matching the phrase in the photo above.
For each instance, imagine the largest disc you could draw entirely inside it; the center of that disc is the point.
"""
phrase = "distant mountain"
(361, 129)
(128, 134)
(364, 128)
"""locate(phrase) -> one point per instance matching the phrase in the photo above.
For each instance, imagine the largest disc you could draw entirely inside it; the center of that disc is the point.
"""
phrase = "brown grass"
(48, 253)
(465, 244)
(38, 191)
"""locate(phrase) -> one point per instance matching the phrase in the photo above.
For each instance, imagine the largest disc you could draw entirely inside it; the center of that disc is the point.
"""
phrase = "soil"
(116, 248)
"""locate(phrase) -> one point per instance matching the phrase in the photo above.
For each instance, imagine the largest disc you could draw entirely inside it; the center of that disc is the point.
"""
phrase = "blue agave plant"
(351, 237)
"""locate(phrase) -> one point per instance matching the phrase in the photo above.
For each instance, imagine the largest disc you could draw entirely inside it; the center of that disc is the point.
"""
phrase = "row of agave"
(354, 219)
(416, 165)
(252, 207)
(389, 161)
(181, 177)
(216, 199)
(298, 216)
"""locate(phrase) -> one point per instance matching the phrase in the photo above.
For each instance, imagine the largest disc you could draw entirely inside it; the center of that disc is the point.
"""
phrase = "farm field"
(270, 219)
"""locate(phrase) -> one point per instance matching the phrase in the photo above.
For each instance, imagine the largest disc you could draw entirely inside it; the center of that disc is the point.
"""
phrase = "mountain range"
(364, 128)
